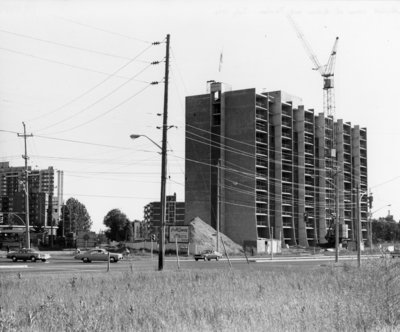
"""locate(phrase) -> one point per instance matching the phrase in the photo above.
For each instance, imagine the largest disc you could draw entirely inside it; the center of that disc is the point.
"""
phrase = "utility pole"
(218, 199)
(25, 156)
(337, 226)
(369, 223)
(59, 202)
(161, 252)
(359, 231)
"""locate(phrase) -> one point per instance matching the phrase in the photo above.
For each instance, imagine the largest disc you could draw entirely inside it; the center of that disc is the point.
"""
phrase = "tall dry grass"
(328, 299)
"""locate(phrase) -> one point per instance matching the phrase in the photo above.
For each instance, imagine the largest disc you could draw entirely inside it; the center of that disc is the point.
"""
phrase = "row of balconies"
(308, 140)
(309, 127)
(261, 116)
(260, 162)
(262, 104)
(263, 126)
(262, 150)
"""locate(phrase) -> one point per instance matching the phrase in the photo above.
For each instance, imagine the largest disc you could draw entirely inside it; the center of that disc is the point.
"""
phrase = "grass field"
(327, 299)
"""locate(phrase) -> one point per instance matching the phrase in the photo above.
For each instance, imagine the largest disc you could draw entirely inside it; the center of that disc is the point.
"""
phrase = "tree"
(385, 230)
(129, 232)
(75, 216)
(117, 224)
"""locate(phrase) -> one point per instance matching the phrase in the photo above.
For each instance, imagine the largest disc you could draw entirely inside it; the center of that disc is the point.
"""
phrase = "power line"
(108, 196)
(9, 131)
(108, 111)
(64, 45)
(94, 103)
(83, 142)
(93, 87)
(86, 160)
(104, 30)
(60, 62)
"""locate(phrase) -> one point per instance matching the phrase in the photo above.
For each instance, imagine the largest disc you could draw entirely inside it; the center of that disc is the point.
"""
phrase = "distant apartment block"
(42, 207)
(261, 165)
(174, 215)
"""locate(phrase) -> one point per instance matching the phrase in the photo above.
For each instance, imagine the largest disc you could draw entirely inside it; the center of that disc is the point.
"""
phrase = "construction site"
(262, 167)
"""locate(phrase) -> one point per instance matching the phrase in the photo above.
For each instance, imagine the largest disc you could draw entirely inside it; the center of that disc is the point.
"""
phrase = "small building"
(174, 213)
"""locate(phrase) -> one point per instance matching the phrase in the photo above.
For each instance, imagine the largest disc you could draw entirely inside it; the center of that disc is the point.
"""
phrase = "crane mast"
(326, 71)
(330, 171)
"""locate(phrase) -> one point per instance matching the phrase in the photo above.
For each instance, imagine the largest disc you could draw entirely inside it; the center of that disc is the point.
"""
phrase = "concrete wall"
(321, 176)
(197, 149)
(300, 186)
(239, 216)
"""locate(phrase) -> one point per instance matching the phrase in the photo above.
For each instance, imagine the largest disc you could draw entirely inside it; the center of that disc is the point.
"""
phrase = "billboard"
(179, 234)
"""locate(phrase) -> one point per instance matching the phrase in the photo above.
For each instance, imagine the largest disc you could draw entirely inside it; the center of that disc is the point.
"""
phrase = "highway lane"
(67, 264)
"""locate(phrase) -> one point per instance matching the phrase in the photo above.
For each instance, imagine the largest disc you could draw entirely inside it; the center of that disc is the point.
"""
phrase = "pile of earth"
(204, 237)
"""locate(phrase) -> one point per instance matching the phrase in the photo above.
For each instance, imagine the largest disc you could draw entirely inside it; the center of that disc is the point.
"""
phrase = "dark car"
(208, 255)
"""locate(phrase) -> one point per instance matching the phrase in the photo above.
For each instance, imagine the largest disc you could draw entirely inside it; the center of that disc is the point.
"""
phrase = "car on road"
(395, 253)
(98, 255)
(208, 255)
(27, 255)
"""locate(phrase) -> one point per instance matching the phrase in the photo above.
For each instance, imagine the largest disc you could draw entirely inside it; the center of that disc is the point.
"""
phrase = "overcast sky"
(79, 72)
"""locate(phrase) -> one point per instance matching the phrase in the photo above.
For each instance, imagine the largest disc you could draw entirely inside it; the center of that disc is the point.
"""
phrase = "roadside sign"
(179, 234)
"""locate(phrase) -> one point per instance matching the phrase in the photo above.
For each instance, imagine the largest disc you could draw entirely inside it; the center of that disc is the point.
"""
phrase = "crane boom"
(307, 47)
(330, 65)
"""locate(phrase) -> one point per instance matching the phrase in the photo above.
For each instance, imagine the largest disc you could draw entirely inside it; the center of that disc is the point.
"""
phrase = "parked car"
(27, 255)
(98, 255)
(208, 255)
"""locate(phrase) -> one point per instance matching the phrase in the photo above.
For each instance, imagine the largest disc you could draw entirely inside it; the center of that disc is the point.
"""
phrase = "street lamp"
(135, 136)
(382, 207)
(161, 239)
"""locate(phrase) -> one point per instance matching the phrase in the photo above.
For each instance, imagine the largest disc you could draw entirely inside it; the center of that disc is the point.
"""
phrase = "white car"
(99, 255)
(27, 255)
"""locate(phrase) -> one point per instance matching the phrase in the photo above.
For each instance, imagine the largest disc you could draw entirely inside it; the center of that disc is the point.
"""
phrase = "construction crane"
(326, 71)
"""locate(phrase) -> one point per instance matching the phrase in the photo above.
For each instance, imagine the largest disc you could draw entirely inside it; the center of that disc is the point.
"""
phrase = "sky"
(79, 75)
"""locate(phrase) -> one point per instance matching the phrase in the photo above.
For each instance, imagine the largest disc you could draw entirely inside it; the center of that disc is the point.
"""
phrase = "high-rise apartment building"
(262, 166)
(12, 193)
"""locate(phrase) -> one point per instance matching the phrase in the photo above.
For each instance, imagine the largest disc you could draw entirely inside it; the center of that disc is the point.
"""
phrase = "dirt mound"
(204, 237)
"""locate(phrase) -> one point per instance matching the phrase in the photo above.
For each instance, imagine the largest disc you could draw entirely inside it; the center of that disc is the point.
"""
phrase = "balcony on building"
(261, 101)
(308, 139)
(261, 162)
(261, 208)
(261, 127)
(261, 185)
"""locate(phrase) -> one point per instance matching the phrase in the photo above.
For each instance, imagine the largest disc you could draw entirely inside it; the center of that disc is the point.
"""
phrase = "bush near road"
(324, 299)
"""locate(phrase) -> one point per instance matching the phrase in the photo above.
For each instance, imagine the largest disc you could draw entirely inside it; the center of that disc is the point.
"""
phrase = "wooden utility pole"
(161, 252)
(359, 230)
(337, 226)
(26, 189)
(218, 199)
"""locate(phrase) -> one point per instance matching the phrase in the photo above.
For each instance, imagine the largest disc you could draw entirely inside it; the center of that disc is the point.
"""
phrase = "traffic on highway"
(64, 263)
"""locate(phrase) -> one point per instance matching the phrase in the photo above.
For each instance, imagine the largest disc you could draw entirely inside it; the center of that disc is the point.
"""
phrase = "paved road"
(66, 264)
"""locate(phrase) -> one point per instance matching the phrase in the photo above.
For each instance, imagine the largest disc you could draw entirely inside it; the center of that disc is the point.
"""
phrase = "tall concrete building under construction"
(261, 166)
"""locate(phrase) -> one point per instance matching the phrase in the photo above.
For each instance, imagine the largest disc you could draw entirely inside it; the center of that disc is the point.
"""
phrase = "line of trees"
(385, 230)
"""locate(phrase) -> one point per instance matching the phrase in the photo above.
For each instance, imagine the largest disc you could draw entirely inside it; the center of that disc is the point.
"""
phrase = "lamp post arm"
(133, 136)
(16, 215)
(156, 144)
